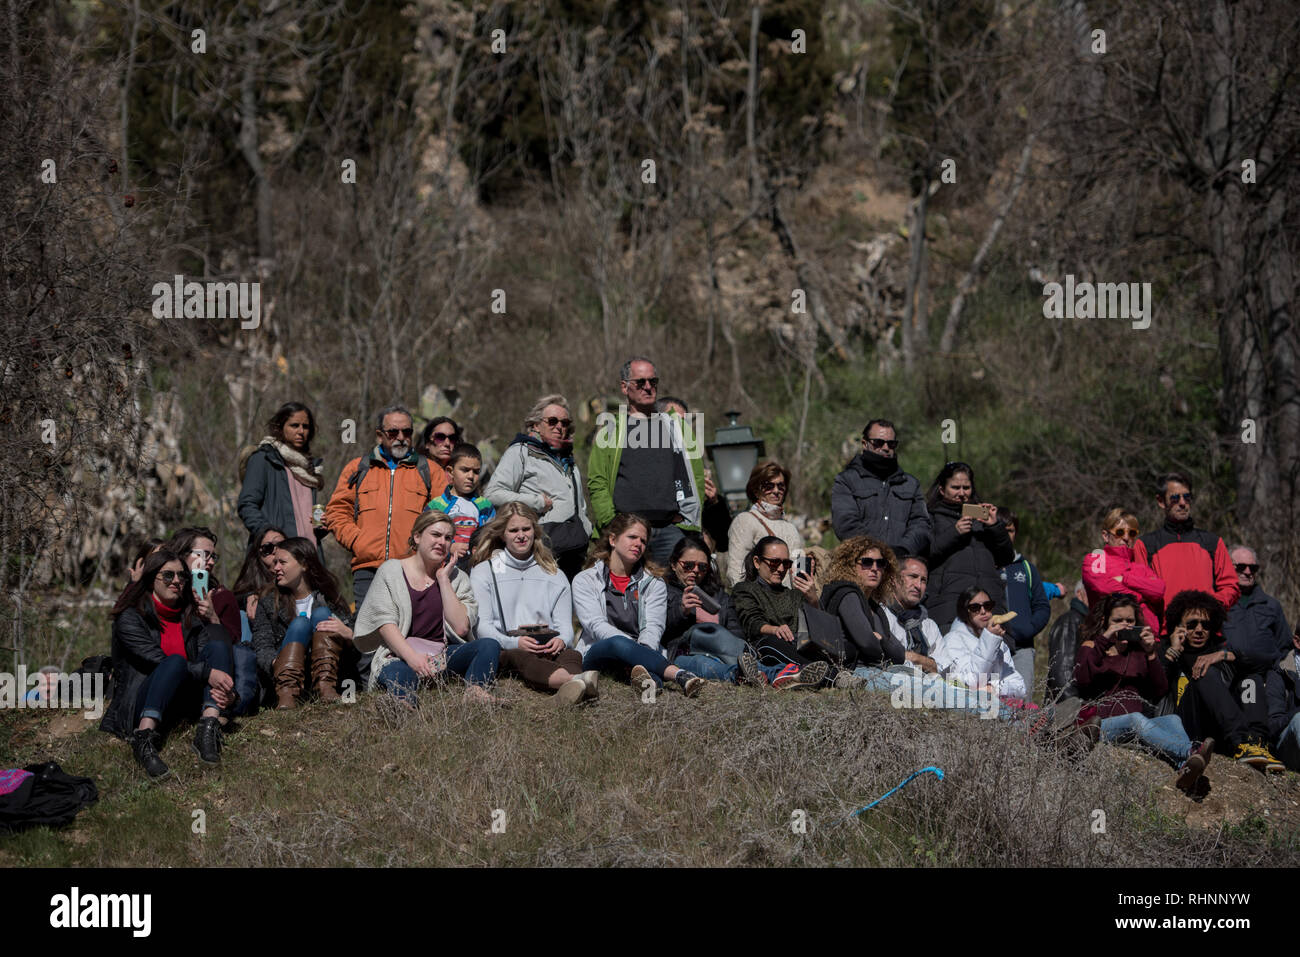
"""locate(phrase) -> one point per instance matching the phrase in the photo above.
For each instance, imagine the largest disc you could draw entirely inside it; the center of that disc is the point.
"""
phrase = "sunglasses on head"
(553, 421)
(1123, 533)
(268, 548)
(777, 564)
(865, 562)
(1179, 497)
(976, 607)
(394, 433)
(170, 577)
(1246, 567)
(883, 443)
(696, 567)
(645, 383)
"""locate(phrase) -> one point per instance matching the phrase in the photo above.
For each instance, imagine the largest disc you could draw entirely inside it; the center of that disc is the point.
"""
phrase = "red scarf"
(173, 638)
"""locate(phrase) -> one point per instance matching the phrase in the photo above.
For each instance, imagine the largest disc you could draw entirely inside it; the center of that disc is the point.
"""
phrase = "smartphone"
(803, 566)
(706, 600)
(199, 582)
(977, 512)
(1129, 638)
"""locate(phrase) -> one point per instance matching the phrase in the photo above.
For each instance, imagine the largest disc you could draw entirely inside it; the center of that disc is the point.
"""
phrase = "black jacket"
(137, 650)
(264, 498)
(891, 509)
(1283, 695)
(1063, 650)
(871, 650)
(1256, 630)
(678, 622)
(958, 562)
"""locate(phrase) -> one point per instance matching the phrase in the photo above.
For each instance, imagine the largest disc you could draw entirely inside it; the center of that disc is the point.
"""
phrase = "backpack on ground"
(42, 794)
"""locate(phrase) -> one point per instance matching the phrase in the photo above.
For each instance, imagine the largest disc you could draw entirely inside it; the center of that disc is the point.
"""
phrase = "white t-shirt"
(303, 606)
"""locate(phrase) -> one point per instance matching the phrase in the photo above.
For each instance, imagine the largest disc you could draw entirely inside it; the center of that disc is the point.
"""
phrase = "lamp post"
(735, 451)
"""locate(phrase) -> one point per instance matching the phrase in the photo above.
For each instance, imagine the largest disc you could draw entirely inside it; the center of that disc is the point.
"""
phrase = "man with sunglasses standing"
(874, 496)
(1185, 557)
(647, 463)
(378, 498)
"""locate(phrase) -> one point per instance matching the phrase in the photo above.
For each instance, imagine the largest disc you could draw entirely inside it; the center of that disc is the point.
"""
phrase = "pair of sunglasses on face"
(268, 548)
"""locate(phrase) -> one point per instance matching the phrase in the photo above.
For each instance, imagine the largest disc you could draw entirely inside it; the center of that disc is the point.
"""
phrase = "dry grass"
(709, 782)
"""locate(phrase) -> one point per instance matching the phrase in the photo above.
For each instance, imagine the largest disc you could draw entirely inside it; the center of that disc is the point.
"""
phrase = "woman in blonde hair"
(862, 571)
(419, 615)
(1112, 568)
(526, 607)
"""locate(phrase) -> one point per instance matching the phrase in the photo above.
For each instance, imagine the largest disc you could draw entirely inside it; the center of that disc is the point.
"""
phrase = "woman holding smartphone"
(419, 618)
(621, 604)
(168, 662)
(977, 652)
(526, 607)
(966, 551)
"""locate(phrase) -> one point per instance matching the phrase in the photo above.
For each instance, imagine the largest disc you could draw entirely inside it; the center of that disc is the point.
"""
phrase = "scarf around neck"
(297, 463)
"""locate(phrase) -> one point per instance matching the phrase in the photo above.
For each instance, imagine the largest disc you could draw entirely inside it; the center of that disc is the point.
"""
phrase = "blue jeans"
(171, 675)
(475, 661)
(619, 654)
(1288, 744)
(300, 628)
(245, 629)
(1164, 735)
(245, 675)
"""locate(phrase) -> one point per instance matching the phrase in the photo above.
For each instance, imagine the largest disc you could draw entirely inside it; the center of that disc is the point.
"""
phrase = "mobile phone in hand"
(706, 600)
(978, 512)
(199, 582)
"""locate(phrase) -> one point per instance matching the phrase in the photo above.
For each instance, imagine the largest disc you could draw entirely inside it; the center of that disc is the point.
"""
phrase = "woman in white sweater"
(621, 604)
(768, 488)
(975, 651)
(418, 618)
(526, 607)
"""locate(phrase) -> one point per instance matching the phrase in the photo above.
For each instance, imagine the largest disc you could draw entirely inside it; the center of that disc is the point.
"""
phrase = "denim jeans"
(172, 674)
(1288, 744)
(713, 668)
(245, 629)
(361, 579)
(619, 654)
(300, 628)
(475, 661)
(245, 675)
(1164, 735)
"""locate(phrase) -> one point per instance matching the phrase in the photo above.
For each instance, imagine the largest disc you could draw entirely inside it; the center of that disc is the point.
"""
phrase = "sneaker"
(847, 679)
(590, 685)
(810, 676)
(1253, 755)
(207, 740)
(144, 745)
(750, 672)
(690, 683)
(1194, 766)
(638, 679)
(570, 693)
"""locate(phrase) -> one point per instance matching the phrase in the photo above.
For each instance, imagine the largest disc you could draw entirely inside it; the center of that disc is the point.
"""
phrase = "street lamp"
(735, 451)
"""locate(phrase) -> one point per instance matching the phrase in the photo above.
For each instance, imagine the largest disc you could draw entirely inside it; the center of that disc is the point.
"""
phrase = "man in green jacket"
(647, 462)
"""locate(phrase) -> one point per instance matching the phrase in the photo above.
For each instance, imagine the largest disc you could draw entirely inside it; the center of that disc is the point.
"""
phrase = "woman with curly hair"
(862, 571)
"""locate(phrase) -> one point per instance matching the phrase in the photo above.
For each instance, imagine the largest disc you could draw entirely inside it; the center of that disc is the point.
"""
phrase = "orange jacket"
(374, 520)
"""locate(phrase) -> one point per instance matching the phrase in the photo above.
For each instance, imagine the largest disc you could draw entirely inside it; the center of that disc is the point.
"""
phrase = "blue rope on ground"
(936, 771)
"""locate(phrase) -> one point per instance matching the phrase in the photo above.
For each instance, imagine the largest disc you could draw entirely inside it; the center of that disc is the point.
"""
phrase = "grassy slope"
(707, 782)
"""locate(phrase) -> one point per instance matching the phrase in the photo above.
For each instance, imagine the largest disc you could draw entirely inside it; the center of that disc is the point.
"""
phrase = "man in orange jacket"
(1187, 558)
(379, 496)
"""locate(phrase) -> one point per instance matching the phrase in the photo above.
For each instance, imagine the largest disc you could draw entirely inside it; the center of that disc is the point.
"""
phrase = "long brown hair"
(493, 537)
(844, 564)
(621, 523)
(317, 575)
(253, 576)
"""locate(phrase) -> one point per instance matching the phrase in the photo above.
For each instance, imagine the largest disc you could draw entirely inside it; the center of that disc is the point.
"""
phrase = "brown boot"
(288, 673)
(325, 649)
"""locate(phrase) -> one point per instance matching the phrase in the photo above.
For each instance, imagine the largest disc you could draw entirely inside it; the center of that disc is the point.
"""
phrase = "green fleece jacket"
(607, 451)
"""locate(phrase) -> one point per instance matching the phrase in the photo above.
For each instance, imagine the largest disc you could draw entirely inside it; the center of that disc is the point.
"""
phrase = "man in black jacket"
(874, 496)
(1256, 627)
(1063, 646)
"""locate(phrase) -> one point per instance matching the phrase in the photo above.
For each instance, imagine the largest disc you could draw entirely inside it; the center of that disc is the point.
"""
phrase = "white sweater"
(529, 596)
(589, 607)
(979, 660)
(746, 530)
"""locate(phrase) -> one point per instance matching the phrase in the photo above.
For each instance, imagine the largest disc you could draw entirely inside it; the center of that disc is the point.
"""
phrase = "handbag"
(821, 635)
(568, 535)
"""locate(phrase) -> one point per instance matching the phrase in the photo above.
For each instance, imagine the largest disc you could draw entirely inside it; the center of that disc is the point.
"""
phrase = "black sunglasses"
(394, 433)
(1200, 624)
(1246, 567)
(553, 421)
(170, 577)
(865, 562)
(645, 383)
(268, 548)
(977, 606)
(777, 564)
(883, 443)
(441, 437)
(1179, 497)
(696, 567)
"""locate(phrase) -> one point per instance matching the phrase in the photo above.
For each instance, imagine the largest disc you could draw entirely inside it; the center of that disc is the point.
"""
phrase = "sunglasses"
(976, 607)
(205, 553)
(645, 383)
(268, 548)
(1179, 497)
(553, 421)
(777, 564)
(773, 486)
(865, 562)
(440, 437)
(170, 577)
(883, 443)
(696, 567)
(1246, 567)
(1200, 624)
(1123, 533)
(394, 433)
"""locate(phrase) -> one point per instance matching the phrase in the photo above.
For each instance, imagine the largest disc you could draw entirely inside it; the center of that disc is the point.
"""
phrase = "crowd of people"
(1169, 643)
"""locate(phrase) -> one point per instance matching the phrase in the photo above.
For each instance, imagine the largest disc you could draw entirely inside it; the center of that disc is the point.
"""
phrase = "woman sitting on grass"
(519, 588)
(976, 652)
(169, 663)
(1121, 676)
(862, 571)
(704, 642)
(621, 603)
(304, 617)
(771, 616)
(416, 609)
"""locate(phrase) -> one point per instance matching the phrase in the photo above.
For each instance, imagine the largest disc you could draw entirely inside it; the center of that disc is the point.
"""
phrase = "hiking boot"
(1085, 736)
(288, 672)
(690, 683)
(1254, 755)
(1194, 766)
(325, 649)
(750, 672)
(638, 679)
(590, 685)
(570, 693)
(207, 740)
(145, 745)
(846, 679)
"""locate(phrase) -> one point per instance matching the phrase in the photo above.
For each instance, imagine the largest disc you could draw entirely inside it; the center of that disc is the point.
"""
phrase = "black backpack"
(354, 483)
(42, 794)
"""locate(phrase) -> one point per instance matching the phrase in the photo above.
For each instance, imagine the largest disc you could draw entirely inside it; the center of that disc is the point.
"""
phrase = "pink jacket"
(1101, 569)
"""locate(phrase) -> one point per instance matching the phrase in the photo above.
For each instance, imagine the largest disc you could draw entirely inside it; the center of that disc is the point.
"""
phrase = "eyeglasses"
(976, 607)
(394, 433)
(205, 553)
(440, 437)
(865, 562)
(1179, 497)
(1198, 624)
(883, 443)
(1124, 533)
(696, 567)
(268, 548)
(645, 383)
(1246, 567)
(553, 421)
(777, 564)
(773, 486)
(170, 577)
